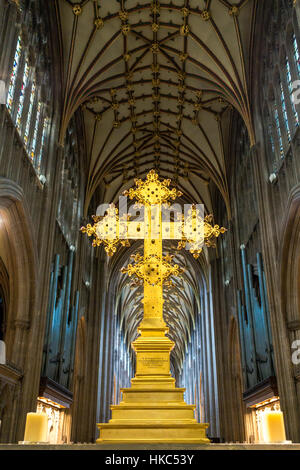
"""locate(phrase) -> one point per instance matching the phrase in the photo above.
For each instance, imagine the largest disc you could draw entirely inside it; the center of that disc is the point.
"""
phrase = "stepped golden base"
(153, 411)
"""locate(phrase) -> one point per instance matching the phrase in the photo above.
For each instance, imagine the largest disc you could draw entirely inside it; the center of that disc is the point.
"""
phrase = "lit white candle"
(36, 429)
(274, 426)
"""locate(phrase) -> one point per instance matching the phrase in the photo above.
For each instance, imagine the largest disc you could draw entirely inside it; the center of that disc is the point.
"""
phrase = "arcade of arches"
(93, 94)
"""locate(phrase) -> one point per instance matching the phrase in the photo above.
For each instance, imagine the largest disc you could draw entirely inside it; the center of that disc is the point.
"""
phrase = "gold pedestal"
(153, 409)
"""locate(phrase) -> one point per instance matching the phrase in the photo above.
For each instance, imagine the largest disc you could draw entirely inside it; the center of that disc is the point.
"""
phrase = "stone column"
(102, 326)
(282, 350)
(297, 9)
(87, 398)
(21, 328)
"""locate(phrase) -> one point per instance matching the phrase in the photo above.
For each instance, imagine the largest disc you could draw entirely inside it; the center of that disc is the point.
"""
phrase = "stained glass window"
(278, 129)
(44, 133)
(296, 53)
(27, 93)
(22, 94)
(35, 132)
(291, 90)
(14, 74)
(284, 112)
(29, 115)
(271, 138)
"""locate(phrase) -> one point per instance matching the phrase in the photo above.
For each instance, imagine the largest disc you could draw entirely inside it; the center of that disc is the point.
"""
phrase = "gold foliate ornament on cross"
(107, 230)
(152, 190)
(152, 269)
(194, 240)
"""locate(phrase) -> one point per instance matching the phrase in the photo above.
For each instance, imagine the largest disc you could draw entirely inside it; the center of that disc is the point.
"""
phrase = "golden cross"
(153, 269)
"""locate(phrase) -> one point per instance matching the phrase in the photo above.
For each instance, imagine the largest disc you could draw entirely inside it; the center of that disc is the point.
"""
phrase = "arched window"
(270, 131)
(29, 90)
(281, 68)
(23, 90)
(289, 82)
(68, 206)
(14, 74)
(278, 129)
(29, 115)
(247, 204)
(296, 53)
(284, 112)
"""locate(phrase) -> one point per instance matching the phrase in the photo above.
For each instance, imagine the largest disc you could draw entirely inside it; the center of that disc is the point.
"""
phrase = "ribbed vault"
(155, 83)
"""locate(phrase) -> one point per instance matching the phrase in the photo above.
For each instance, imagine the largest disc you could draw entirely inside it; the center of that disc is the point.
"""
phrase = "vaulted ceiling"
(155, 82)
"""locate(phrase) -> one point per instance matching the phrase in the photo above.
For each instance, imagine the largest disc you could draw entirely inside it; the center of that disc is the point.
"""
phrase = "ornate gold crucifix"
(152, 269)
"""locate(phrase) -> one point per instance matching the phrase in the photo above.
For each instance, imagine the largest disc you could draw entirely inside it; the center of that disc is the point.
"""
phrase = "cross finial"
(152, 190)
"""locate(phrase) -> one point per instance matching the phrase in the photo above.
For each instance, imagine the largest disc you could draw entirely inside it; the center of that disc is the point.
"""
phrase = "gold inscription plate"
(148, 364)
(154, 362)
